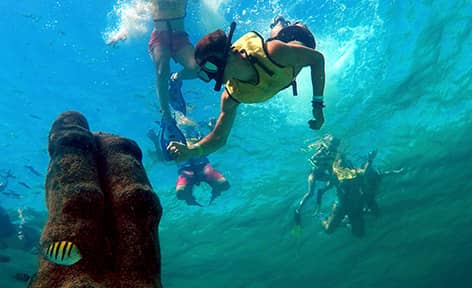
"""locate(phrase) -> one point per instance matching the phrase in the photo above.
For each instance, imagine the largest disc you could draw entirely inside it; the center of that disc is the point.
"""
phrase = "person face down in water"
(253, 71)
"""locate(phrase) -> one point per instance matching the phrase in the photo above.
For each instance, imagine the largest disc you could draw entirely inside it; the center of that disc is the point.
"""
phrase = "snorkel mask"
(213, 66)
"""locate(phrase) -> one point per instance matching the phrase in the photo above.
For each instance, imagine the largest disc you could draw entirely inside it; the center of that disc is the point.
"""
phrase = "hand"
(371, 155)
(116, 37)
(93, 178)
(316, 123)
(179, 151)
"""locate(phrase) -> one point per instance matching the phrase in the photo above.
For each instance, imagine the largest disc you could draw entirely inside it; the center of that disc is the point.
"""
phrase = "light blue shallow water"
(399, 79)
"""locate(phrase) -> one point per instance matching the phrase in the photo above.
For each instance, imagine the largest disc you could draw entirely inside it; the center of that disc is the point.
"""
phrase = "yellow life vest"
(169, 9)
(271, 77)
(345, 173)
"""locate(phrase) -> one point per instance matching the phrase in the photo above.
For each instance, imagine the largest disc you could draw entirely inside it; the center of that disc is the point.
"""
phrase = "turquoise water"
(399, 79)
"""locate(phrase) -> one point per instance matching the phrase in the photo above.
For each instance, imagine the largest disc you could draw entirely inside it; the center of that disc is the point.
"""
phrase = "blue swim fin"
(169, 132)
(176, 99)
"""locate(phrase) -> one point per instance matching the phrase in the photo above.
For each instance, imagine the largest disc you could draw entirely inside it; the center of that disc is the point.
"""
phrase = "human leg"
(184, 187)
(216, 180)
(306, 196)
(334, 219)
(161, 55)
(185, 57)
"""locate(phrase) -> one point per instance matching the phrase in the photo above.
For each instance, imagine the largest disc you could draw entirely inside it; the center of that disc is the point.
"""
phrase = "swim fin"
(193, 202)
(296, 230)
(176, 99)
(214, 195)
(169, 132)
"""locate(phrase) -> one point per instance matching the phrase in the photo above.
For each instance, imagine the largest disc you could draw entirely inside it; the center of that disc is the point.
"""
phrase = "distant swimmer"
(62, 253)
(168, 41)
(253, 70)
(321, 162)
(356, 191)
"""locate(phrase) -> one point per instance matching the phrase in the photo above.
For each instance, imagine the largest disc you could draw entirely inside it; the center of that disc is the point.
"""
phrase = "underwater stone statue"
(103, 217)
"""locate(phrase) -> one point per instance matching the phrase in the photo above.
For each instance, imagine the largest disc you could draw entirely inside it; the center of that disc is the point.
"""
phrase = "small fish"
(24, 185)
(4, 258)
(35, 116)
(32, 170)
(12, 194)
(62, 253)
(4, 180)
(23, 277)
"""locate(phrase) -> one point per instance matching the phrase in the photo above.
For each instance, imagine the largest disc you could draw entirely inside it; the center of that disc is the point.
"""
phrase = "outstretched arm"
(213, 141)
(392, 172)
(296, 55)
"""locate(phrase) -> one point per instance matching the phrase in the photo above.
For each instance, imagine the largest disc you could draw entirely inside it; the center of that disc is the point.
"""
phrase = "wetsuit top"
(169, 9)
(271, 77)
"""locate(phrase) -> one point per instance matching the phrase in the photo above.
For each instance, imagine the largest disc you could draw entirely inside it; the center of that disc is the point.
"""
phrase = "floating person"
(193, 171)
(356, 191)
(321, 170)
(168, 41)
(254, 71)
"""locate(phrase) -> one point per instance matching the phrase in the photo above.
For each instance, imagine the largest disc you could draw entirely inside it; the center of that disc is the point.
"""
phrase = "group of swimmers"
(253, 70)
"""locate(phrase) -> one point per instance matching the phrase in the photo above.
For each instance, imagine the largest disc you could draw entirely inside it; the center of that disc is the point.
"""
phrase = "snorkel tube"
(219, 76)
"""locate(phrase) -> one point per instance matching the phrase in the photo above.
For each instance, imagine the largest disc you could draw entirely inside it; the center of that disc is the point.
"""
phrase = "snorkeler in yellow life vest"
(253, 71)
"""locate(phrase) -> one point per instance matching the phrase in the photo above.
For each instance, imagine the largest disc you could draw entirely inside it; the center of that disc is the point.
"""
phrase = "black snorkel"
(221, 72)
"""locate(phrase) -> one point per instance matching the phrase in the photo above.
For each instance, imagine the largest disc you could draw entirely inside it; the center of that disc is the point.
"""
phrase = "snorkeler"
(356, 191)
(254, 71)
(321, 170)
(194, 170)
(169, 40)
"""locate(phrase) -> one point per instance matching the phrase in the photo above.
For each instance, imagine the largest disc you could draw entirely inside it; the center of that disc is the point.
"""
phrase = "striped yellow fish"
(62, 253)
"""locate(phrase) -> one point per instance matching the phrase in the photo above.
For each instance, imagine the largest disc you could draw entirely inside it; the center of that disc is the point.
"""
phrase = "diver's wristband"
(317, 103)
(199, 149)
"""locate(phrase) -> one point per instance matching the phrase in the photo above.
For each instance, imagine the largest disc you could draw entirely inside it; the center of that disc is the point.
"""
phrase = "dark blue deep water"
(398, 79)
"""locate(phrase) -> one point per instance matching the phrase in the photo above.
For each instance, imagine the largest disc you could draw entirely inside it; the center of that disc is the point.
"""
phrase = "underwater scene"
(376, 195)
